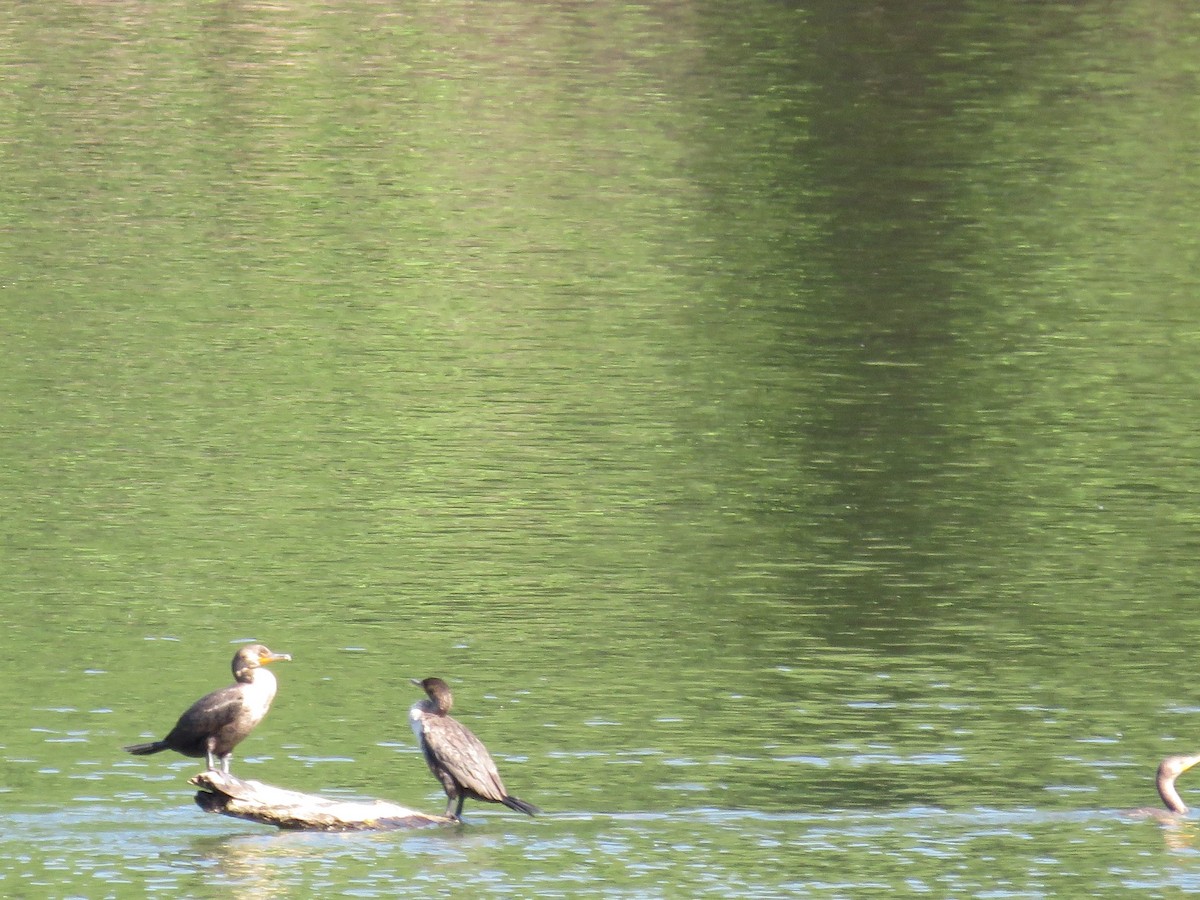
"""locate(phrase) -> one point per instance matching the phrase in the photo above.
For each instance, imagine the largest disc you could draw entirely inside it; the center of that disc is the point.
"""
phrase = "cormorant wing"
(212, 711)
(463, 755)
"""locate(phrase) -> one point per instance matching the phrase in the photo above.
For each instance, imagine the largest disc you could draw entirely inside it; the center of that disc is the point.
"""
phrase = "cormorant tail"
(144, 749)
(520, 805)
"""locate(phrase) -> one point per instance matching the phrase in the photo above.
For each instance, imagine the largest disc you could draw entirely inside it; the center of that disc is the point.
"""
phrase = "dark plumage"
(455, 756)
(217, 722)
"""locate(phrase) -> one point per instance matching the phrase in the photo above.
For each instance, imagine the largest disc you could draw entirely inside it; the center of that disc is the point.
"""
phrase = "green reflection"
(786, 410)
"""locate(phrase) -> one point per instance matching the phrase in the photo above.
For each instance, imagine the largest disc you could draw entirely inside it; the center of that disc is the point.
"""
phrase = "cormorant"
(455, 756)
(217, 722)
(1168, 770)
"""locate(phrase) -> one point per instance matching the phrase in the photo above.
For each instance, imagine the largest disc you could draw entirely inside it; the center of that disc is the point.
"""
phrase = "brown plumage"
(217, 722)
(455, 756)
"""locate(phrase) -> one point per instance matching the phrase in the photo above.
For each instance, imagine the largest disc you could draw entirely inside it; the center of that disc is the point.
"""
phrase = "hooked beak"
(274, 657)
(416, 681)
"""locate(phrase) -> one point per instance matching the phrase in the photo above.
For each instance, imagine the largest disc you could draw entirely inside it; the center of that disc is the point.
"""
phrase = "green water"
(777, 422)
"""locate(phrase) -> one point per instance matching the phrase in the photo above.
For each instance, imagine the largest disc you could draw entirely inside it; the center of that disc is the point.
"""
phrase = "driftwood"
(258, 802)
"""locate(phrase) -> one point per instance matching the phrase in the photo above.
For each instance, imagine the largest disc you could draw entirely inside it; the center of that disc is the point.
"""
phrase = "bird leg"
(225, 761)
(451, 811)
(210, 759)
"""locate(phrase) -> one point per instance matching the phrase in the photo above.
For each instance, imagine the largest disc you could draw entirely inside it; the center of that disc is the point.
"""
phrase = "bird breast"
(257, 697)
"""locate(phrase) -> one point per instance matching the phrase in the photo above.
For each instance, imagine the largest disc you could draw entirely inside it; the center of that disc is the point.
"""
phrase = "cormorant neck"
(256, 675)
(1168, 770)
(1170, 796)
(428, 707)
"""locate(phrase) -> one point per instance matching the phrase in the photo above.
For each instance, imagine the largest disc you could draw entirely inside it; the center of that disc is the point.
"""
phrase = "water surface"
(777, 424)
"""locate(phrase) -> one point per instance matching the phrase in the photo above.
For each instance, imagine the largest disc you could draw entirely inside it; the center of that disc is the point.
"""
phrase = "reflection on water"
(706, 851)
(776, 423)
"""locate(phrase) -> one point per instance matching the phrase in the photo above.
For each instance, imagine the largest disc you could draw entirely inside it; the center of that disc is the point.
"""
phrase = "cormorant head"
(252, 656)
(438, 691)
(1174, 766)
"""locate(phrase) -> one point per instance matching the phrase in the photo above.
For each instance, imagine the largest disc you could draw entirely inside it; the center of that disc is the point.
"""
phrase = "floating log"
(258, 802)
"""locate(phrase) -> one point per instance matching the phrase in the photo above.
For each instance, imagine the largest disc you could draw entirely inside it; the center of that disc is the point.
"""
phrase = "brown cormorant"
(217, 722)
(455, 756)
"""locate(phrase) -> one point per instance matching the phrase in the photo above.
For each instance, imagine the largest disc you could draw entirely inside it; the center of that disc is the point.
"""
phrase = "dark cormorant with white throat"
(217, 722)
(455, 756)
